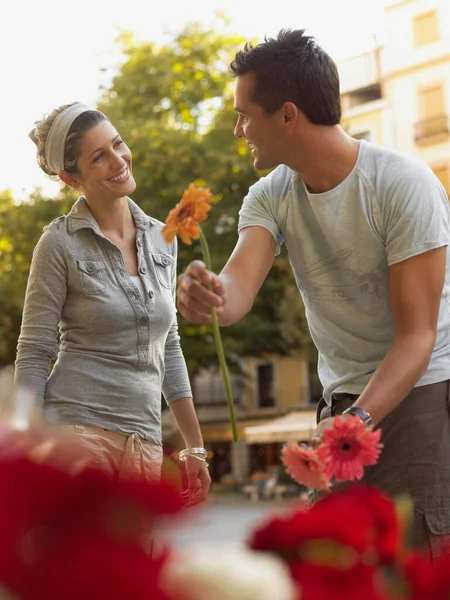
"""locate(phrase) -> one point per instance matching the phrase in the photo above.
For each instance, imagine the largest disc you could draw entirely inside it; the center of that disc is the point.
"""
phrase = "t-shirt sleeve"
(415, 215)
(260, 207)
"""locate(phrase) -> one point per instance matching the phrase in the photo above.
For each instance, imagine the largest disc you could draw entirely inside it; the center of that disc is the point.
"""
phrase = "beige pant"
(119, 454)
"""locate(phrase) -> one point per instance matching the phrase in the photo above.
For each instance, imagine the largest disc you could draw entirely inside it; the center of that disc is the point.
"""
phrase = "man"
(367, 232)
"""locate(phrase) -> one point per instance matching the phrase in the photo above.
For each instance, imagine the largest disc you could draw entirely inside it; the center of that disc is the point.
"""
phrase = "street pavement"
(223, 519)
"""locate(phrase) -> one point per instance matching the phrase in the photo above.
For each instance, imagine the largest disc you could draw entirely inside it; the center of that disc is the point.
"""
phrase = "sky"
(51, 53)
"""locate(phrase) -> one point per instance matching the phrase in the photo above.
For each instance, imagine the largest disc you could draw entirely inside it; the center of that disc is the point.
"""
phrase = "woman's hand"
(199, 481)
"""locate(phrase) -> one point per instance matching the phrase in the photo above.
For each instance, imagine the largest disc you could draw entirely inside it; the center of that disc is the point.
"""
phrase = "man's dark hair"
(292, 68)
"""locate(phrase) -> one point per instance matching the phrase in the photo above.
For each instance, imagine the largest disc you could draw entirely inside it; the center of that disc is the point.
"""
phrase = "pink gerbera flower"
(303, 465)
(347, 447)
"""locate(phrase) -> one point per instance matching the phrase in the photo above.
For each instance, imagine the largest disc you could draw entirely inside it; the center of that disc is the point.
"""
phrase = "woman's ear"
(69, 180)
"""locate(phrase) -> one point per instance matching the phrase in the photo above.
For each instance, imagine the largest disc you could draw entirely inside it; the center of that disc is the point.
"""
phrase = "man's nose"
(238, 133)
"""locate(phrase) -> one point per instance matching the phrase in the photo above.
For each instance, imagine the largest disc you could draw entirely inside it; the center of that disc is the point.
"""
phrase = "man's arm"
(415, 291)
(235, 289)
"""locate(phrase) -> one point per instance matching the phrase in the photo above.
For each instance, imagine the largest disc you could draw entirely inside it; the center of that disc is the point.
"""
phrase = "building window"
(209, 388)
(265, 381)
(361, 96)
(432, 101)
(433, 119)
(425, 29)
(442, 172)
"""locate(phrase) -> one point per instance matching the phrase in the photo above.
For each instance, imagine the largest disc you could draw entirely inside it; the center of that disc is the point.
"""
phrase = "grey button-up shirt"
(118, 350)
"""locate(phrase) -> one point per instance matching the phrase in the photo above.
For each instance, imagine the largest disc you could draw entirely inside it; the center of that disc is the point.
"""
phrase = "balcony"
(432, 130)
(361, 97)
(360, 72)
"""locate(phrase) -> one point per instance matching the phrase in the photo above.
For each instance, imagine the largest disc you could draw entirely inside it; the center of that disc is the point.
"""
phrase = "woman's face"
(104, 164)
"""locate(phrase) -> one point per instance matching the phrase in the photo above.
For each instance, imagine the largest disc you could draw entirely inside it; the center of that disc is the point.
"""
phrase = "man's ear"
(69, 180)
(290, 113)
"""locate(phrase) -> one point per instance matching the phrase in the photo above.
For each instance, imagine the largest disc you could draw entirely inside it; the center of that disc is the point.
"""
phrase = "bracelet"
(200, 458)
(197, 452)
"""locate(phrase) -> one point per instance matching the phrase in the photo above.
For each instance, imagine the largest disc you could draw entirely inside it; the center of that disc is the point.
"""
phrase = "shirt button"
(144, 321)
(151, 293)
(143, 270)
(90, 267)
(139, 243)
(165, 262)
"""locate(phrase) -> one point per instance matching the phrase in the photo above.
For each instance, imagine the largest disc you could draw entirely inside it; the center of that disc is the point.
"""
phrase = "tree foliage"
(173, 105)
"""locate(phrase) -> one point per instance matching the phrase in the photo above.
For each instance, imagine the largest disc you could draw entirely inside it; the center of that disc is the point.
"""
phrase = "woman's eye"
(98, 157)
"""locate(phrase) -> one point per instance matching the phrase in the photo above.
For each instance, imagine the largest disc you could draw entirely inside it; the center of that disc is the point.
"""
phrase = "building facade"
(398, 95)
(267, 389)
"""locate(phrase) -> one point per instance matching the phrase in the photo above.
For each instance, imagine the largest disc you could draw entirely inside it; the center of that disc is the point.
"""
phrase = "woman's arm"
(177, 391)
(44, 300)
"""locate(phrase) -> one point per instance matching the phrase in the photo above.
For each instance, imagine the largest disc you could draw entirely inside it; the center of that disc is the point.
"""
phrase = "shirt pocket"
(91, 272)
(163, 263)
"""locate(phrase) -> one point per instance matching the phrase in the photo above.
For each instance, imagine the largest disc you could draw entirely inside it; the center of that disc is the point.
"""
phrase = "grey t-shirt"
(119, 345)
(391, 207)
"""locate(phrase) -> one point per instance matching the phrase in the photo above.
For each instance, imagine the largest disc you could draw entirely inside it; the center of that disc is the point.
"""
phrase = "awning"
(295, 426)
(211, 432)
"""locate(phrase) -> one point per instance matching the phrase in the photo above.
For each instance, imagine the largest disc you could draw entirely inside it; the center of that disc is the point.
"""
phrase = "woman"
(104, 276)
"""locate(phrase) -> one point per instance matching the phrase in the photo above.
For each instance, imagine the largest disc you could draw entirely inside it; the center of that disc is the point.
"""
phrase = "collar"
(80, 217)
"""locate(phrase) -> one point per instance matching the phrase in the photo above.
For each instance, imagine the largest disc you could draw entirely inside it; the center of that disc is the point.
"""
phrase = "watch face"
(358, 412)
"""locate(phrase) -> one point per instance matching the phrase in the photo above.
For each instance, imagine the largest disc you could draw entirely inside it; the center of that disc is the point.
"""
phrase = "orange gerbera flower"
(183, 220)
(347, 447)
(302, 464)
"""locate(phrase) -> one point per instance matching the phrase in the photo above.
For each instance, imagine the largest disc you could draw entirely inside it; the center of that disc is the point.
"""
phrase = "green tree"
(173, 104)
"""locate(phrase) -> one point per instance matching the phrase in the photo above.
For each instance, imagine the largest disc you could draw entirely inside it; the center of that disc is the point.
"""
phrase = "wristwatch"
(359, 412)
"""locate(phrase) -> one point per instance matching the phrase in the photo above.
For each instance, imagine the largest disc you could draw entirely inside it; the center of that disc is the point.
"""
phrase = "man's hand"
(199, 481)
(325, 424)
(195, 299)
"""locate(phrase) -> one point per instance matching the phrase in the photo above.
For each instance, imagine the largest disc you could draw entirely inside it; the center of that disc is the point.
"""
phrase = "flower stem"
(218, 341)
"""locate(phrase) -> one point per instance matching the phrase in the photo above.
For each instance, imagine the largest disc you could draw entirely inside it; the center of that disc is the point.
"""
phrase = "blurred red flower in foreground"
(63, 532)
(334, 548)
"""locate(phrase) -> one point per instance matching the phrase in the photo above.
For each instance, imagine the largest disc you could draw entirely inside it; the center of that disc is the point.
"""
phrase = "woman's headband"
(56, 138)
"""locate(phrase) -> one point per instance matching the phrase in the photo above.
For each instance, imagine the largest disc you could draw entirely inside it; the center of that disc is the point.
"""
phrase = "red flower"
(383, 526)
(45, 511)
(424, 579)
(347, 447)
(303, 465)
(374, 531)
(319, 583)
(335, 548)
(91, 565)
(322, 552)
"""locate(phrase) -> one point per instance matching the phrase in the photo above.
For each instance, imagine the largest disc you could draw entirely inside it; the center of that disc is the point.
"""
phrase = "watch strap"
(359, 412)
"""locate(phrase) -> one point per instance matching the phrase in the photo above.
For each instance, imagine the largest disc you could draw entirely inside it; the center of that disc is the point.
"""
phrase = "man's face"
(264, 133)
